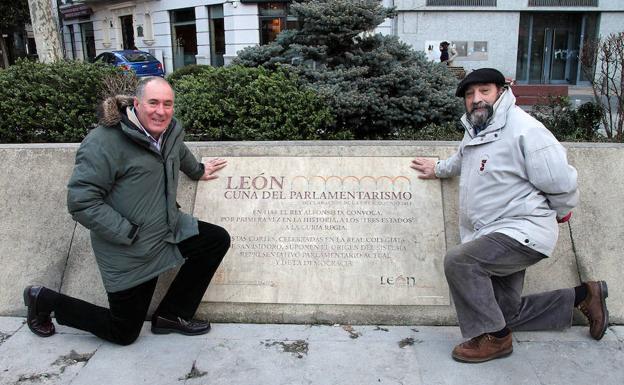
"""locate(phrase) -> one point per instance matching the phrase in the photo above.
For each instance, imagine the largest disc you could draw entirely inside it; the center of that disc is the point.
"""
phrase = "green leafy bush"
(588, 118)
(236, 103)
(191, 69)
(568, 124)
(444, 131)
(50, 102)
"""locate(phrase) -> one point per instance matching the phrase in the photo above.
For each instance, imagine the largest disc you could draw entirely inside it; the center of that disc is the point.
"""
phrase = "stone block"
(36, 230)
(596, 224)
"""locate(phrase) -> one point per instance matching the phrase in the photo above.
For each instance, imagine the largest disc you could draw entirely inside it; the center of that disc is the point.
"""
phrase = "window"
(217, 35)
(72, 40)
(137, 57)
(184, 36)
(274, 18)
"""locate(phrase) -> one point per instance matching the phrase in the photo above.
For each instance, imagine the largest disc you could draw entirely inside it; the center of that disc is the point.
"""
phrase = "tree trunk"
(5, 53)
(46, 31)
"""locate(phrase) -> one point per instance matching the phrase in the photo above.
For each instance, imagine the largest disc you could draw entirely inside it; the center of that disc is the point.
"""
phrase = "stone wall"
(41, 244)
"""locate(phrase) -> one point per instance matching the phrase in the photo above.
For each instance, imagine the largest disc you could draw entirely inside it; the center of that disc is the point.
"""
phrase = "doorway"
(127, 32)
(88, 41)
(549, 45)
(184, 37)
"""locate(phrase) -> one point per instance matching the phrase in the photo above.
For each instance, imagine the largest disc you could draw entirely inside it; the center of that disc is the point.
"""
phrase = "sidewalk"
(303, 354)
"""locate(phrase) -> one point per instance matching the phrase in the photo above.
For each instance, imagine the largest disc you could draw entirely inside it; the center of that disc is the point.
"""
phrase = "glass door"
(549, 46)
(562, 50)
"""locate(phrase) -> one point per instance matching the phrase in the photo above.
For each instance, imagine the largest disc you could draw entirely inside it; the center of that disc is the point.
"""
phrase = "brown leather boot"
(483, 348)
(595, 308)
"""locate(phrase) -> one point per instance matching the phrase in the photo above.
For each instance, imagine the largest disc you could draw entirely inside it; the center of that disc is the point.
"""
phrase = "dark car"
(142, 63)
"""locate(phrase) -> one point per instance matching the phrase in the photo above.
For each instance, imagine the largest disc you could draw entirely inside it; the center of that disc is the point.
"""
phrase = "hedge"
(50, 102)
(237, 103)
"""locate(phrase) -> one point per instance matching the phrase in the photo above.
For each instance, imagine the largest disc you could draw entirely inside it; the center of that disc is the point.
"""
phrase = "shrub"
(191, 69)
(588, 119)
(568, 124)
(236, 103)
(445, 131)
(376, 85)
(50, 102)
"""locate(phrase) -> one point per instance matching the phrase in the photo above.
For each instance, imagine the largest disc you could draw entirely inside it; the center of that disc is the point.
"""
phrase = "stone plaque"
(327, 230)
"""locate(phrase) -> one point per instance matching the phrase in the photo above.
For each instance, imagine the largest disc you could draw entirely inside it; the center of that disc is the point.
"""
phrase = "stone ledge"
(40, 244)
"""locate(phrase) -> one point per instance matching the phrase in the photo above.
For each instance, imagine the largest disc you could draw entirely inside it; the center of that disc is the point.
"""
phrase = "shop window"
(274, 18)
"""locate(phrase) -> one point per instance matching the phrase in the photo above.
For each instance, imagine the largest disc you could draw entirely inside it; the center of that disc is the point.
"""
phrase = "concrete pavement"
(257, 354)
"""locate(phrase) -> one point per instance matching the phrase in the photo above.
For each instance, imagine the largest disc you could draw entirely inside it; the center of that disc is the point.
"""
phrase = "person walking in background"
(515, 186)
(447, 53)
(123, 189)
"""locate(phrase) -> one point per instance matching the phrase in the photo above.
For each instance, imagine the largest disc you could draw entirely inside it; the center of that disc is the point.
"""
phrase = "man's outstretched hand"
(425, 166)
(211, 167)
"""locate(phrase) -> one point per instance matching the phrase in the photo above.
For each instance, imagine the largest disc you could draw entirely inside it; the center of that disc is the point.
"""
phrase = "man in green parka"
(123, 189)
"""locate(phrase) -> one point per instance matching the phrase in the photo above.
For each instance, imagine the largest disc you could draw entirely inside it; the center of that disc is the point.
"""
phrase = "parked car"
(142, 63)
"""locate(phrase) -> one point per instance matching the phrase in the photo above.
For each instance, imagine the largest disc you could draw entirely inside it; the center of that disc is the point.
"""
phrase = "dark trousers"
(486, 278)
(122, 322)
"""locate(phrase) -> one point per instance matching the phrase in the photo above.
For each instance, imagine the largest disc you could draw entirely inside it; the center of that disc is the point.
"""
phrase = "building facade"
(532, 41)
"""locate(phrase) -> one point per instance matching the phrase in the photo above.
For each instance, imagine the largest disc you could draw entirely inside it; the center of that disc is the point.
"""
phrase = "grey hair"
(140, 90)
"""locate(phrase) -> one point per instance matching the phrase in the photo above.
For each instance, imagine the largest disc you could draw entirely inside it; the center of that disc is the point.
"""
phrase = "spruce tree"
(377, 85)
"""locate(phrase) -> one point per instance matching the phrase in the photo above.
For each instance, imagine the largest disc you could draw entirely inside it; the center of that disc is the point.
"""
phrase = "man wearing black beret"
(515, 186)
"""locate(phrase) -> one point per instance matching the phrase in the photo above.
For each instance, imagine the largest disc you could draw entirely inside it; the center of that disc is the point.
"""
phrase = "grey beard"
(477, 119)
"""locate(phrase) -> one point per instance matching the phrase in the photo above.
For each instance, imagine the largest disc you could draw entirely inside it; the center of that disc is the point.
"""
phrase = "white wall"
(499, 29)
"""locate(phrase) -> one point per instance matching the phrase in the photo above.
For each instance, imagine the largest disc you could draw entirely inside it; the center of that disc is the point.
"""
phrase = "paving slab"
(9, 325)
(265, 354)
(28, 359)
(303, 361)
(152, 360)
(564, 363)
(573, 334)
(440, 368)
(619, 332)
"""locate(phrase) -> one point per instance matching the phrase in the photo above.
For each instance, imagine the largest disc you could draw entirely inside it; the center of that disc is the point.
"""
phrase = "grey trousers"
(486, 277)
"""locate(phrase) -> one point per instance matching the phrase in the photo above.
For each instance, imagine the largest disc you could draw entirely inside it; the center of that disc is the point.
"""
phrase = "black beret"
(482, 75)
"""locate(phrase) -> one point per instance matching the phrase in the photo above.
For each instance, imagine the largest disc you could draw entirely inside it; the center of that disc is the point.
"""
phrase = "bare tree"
(602, 62)
(46, 31)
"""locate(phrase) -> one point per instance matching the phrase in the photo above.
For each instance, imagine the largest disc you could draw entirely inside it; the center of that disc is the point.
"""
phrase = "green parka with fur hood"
(124, 192)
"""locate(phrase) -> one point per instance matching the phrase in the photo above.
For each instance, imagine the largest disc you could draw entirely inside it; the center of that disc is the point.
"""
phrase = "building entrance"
(184, 37)
(127, 32)
(549, 45)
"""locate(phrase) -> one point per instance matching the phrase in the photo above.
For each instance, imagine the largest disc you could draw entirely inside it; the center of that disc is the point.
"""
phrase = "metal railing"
(461, 3)
(563, 3)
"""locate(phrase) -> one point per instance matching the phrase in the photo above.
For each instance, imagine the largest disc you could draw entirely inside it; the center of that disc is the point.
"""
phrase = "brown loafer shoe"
(38, 322)
(483, 348)
(595, 308)
(161, 325)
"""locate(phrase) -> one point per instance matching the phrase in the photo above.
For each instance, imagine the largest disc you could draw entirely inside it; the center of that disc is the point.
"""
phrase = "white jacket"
(515, 179)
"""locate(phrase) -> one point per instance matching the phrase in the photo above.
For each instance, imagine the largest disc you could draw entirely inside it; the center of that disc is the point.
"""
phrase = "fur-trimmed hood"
(112, 108)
